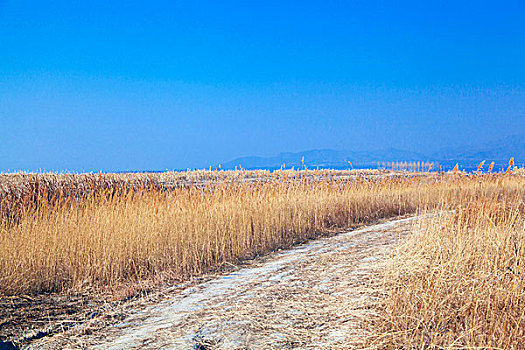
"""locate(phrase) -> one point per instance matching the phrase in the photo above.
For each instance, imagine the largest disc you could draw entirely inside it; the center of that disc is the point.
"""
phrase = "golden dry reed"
(480, 166)
(460, 282)
(106, 230)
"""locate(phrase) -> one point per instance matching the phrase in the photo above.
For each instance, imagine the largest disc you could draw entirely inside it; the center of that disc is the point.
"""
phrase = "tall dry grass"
(460, 281)
(106, 235)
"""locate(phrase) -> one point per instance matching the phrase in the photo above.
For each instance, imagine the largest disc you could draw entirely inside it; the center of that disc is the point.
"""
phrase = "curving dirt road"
(314, 296)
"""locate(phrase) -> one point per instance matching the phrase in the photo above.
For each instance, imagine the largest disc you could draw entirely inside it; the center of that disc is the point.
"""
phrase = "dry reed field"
(458, 283)
(63, 232)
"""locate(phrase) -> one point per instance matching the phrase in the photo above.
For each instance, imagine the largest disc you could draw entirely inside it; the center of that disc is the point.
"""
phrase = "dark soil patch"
(25, 318)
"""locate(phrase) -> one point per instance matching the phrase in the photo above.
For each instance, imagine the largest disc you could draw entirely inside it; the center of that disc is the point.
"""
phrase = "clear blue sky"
(114, 85)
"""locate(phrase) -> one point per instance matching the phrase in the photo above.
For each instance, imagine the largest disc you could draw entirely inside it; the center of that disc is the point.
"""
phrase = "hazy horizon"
(131, 86)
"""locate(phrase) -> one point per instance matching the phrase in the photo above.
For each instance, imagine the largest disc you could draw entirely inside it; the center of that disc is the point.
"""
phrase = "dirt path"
(314, 296)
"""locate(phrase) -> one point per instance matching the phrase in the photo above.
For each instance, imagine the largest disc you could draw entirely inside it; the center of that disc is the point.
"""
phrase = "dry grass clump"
(460, 282)
(104, 232)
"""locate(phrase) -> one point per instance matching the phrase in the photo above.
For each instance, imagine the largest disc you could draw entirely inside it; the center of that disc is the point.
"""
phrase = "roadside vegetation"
(459, 283)
(64, 233)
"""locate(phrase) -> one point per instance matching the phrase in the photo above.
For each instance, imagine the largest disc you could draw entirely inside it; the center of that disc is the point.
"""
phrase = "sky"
(161, 85)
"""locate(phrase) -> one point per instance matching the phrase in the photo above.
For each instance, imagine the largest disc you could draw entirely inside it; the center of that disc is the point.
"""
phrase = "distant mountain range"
(502, 150)
(499, 152)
